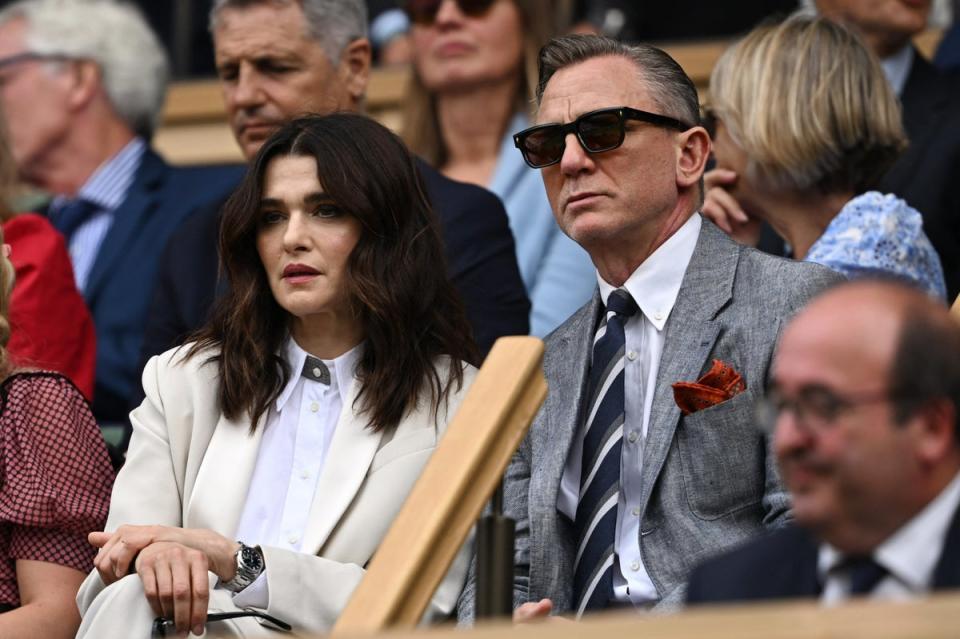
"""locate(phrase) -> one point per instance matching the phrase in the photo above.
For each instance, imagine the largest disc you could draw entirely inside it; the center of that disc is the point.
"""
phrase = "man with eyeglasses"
(863, 414)
(616, 494)
(81, 87)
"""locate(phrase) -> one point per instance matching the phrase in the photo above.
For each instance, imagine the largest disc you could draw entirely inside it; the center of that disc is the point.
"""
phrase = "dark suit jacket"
(121, 280)
(480, 253)
(927, 175)
(783, 565)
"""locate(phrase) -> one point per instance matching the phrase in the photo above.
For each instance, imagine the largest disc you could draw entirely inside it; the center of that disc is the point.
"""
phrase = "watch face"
(252, 559)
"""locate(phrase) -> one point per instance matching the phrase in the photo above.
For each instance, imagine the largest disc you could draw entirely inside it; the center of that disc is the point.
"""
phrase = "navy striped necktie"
(596, 518)
(72, 215)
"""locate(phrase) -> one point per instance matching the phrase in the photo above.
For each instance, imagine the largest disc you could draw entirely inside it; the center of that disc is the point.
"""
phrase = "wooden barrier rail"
(195, 130)
(937, 617)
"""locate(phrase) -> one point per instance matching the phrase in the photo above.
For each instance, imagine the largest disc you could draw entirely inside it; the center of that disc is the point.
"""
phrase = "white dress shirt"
(296, 437)
(654, 286)
(107, 188)
(910, 555)
(897, 68)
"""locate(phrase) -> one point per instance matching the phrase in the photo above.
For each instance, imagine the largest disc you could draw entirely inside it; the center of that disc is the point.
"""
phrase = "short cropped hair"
(926, 364)
(668, 85)
(116, 37)
(333, 24)
(809, 105)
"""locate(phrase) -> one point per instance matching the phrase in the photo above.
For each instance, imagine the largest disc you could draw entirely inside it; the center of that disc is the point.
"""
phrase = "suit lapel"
(564, 409)
(128, 221)
(691, 332)
(947, 573)
(352, 449)
(223, 479)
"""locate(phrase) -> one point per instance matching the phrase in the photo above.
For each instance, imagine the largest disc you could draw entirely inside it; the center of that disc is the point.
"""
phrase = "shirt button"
(632, 355)
(636, 512)
(658, 316)
(635, 566)
(317, 372)
(632, 437)
(304, 474)
(314, 407)
(293, 539)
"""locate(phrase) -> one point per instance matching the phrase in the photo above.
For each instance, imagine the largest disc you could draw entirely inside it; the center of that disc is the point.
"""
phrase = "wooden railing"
(195, 130)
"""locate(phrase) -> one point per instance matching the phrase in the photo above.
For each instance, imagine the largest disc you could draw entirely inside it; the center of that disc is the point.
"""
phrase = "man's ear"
(937, 435)
(85, 82)
(693, 150)
(354, 69)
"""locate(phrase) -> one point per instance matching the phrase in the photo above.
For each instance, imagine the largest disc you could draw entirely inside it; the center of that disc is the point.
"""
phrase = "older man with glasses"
(863, 415)
(643, 459)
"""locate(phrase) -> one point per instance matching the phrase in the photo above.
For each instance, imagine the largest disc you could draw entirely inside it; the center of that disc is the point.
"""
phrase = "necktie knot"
(72, 215)
(865, 573)
(314, 369)
(621, 303)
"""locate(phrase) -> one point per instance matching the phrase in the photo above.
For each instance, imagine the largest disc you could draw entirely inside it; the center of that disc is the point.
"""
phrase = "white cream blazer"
(189, 466)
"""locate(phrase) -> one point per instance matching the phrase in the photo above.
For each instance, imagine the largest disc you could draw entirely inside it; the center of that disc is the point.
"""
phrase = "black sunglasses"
(597, 131)
(166, 627)
(424, 12)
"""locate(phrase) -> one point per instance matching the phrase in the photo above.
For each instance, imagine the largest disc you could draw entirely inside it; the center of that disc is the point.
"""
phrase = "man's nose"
(575, 158)
(247, 91)
(790, 434)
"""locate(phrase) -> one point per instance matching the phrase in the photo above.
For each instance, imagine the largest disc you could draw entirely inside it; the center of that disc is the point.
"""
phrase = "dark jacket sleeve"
(481, 258)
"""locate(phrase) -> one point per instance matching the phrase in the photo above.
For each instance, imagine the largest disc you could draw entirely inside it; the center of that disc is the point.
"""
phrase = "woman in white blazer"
(272, 453)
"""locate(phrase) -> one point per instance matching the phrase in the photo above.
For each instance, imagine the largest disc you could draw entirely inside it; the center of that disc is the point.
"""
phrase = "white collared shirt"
(296, 437)
(654, 286)
(910, 555)
(107, 187)
(897, 68)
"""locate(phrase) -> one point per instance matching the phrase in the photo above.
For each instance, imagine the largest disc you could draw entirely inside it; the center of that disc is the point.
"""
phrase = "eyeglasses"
(815, 408)
(166, 627)
(424, 12)
(597, 131)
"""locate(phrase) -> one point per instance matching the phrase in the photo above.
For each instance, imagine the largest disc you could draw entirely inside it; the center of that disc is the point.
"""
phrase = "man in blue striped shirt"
(82, 86)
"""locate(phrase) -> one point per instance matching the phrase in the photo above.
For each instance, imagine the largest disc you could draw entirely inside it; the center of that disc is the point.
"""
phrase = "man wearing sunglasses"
(863, 417)
(616, 494)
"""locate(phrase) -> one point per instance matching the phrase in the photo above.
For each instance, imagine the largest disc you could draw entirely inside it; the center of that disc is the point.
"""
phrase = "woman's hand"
(119, 549)
(176, 583)
(722, 209)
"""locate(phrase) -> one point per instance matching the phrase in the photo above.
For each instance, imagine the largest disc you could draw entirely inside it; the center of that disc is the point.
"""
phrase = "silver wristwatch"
(250, 565)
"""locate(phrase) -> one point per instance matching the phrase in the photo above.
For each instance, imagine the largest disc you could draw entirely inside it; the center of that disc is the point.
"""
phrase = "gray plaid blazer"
(710, 480)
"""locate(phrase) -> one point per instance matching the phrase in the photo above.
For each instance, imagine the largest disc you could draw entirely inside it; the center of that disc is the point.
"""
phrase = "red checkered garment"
(55, 473)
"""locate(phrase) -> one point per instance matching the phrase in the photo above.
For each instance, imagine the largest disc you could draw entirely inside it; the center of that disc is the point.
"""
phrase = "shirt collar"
(655, 284)
(912, 552)
(897, 68)
(108, 186)
(343, 370)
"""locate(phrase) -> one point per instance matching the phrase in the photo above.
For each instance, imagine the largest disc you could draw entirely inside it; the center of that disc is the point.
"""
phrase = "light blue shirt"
(897, 68)
(556, 271)
(877, 234)
(107, 188)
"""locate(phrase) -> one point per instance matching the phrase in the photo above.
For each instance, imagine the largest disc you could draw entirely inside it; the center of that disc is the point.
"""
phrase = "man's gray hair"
(669, 86)
(332, 23)
(112, 34)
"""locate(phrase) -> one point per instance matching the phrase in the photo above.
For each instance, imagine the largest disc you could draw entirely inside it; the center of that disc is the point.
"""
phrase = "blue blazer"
(783, 565)
(122, 278)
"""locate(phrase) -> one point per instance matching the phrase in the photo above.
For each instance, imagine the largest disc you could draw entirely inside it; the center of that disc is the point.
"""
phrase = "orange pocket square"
(718, 385)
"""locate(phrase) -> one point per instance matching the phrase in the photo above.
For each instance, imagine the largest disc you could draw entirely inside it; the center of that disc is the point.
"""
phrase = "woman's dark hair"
(396, 274)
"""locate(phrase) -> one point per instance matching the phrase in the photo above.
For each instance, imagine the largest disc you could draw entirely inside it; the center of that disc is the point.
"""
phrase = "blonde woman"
(805, 124)
(475, 64)
(55, 482)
